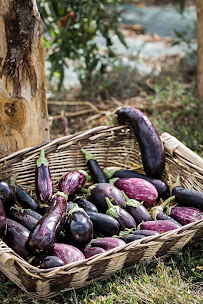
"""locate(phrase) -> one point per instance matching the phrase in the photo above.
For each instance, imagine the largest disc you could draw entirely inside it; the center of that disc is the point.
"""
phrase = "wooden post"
(23, 104)
(199, 6)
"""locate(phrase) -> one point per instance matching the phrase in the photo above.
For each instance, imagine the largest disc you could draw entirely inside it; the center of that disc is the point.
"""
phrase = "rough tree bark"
(199, 6)
(23, 104)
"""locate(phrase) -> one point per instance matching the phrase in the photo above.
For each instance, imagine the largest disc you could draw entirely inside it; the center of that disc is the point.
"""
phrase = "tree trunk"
(23, 104)
(199, 6)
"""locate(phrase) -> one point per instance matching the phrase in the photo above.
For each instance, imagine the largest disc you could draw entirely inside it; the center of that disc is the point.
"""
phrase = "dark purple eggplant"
(26, 220)
(17, 238)
(131, 237)
(91, 251)
(137, 210)
(104, 223)
(47, 229)
(122, 216)
(85, 204)
(43, 182)
(95, 170)
(185, 215)
(7, 195)
(2, 220)
(32, 213)
(25, 200)
(107, 243)
(113, 172)
(67, 253)
(187, 197)
(138, 189)
(158, 214)
(145, 232)
(78, 228)
(160, 226)
(46, 262)
(97, 194)
(71, 182)
(151, 146)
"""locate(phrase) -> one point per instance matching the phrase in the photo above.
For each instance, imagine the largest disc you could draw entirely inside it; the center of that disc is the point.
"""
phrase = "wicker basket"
(112, 146)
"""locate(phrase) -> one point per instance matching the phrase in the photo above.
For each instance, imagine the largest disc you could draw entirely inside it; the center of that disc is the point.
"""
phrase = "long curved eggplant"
(160, 226)
(185, 215)
(47, 229)
(32, 213)
(95, 170)
(43, 182)
(104, 223)
(138, 189)
(151, 146)
(97, 194)
(25, 200)
(71, 182)
(7, 195)
(2, 220)
(113, 172)
(26, 220)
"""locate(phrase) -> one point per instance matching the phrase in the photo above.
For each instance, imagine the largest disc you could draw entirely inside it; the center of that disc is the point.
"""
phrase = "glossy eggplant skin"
(132, 237)
(25, 200)
(139, 213)
(43, 182)
(125, 220)
(46, 262)
(47, 229)
(188, 198)
(107, 243)
(164, 216)
(99, 192)
(2, 220)
(151, 146)
(67, 253)
(17, 237)
(78, 229)
(145, 232)
(96, 172)
(91, 251)
(85, 204)
(160, 226)
(32, 213)
(7, 195)
(103, 223)
(186, 215)
(26, 220)
(71, 182)
(161, 187)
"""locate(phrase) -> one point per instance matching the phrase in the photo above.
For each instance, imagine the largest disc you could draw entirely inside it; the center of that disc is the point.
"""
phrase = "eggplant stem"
(166, 202)
(88, 156)
(176, 184)
(42, 159)
(109, 171)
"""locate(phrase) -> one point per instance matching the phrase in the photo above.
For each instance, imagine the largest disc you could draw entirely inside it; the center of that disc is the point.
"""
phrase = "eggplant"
(7, 195)
(187, 197)
(185, 215)
(25, 200)
(122, 216)
(91, 251)
(107, 243)
(32, 213)
(2, 220)
(43, 182)
(46, 262)
(160, 226)
(151, 146)
(95, 170)
(71, 182)
(145, 232)
(132, 237)
(17, 238)
(158, 214)
(113, 172)
(26, 220)
(47, 229)
(67, 253)
(85, 204)
(97, 194)
(104, 223)
(78, 228)
(137, 210)
(138, 189)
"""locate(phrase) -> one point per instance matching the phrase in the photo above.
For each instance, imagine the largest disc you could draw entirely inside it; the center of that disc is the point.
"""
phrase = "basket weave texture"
(111, 146)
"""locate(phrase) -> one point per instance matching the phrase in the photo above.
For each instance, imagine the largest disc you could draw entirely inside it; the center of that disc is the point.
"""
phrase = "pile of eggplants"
(80, 221)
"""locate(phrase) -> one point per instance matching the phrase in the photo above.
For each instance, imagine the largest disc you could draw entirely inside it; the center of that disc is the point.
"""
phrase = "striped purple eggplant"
(138, 189)
(43, 182)
(160, 226)
(71, 182)
(91, 251)
(67, 253)
(107, 243)
(185, 215)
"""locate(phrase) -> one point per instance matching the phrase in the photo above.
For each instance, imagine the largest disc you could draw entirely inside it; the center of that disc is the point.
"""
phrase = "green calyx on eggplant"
(137, 210)
(122, 216)
(95, 170)
(97, 194)
(116, 172)
(151, 146)
(43, 181)
(187, 197)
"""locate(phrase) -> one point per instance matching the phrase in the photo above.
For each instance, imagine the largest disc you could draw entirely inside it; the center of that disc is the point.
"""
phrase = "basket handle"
(6, 260)
(173, 145)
